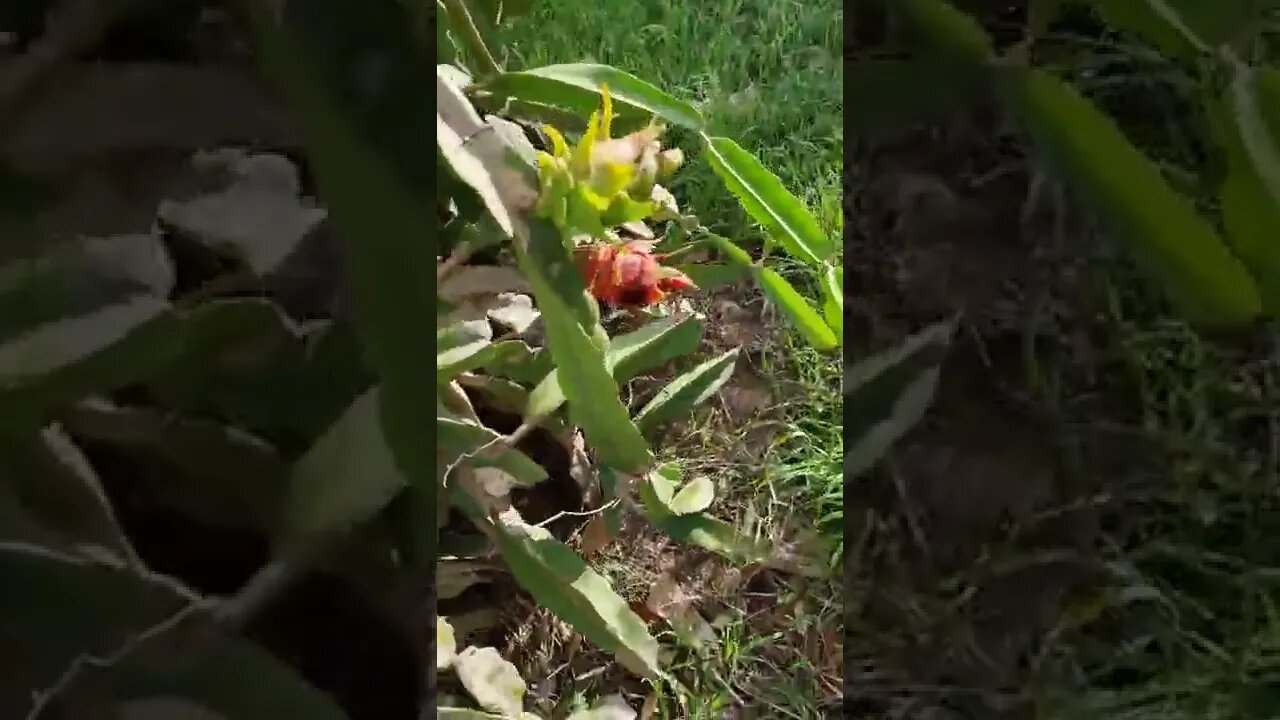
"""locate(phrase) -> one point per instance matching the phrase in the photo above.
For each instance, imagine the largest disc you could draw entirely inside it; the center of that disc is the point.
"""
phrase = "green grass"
(767, 74)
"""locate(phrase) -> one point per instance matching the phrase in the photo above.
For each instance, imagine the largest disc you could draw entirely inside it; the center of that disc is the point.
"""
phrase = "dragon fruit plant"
(313, 434)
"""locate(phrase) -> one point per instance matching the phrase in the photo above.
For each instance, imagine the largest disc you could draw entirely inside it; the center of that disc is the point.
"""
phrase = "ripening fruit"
(629, 275)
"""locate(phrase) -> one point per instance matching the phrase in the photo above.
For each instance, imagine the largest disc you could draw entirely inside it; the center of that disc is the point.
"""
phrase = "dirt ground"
(962, 543)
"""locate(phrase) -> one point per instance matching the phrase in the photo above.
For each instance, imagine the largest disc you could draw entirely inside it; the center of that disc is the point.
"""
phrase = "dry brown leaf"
(747, 395)
(595, 537)
(642, 609)
(667, 597)
(650, 706)
(639, 229)
(581, 469)
(484, 280)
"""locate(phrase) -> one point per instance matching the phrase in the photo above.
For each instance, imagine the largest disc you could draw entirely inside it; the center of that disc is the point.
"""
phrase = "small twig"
(908, 511)
(460, 254)
(508, 335)
(238, 281)
(495, 446)
(521, 432)
(42, 698)
(585, 513)
(264, 586)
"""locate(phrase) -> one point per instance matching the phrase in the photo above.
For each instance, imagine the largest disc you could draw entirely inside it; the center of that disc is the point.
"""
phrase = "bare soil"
(958, 565)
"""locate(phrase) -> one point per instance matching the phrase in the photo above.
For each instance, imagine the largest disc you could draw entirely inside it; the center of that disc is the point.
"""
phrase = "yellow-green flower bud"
(669, 161)
(664, 203)
(646, 173)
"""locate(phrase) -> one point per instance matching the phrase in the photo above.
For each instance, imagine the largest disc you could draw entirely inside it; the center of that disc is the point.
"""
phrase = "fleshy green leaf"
(456, 437)
(346, 477)
(494, 163)
(472, 171)
(514, 359)
(461, 346)
(652, 346)
(888, 393)
(59, 488)
(712, 276)
(686, 392)
(1250, 210)
(78, 277)
(492, 680)
(376, 206)
(228, 675)
(446, 644)
(88, 316)
(736, 255)
(221, 474)
(945, 32)
(46, 622)
(99, 351)
(768, 201)
(576, 87)
(164, 708)
(55, 346)
(694, 497)
(560, 581)
(499, 393)
(1181, 27)
(628, 355)
(833, 299)
(696, 528)
(787, 298)
(796, 308)
(242, 360)
(1164, 232)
